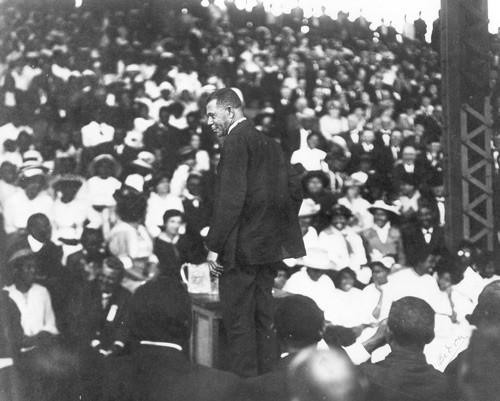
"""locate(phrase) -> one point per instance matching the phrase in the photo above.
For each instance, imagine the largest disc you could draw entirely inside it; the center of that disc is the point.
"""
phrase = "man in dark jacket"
(158, 367)
(425, 237)
(405, 373)
(299, 325)
(254, 226)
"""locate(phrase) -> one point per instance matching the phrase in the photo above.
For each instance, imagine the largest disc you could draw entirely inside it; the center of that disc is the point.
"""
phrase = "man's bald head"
(323, 375)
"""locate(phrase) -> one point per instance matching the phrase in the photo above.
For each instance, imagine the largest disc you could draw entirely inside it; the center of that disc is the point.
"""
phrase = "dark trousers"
(248, 315)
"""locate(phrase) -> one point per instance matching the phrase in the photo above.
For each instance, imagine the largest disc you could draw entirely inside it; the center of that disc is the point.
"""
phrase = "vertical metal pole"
(450, 68)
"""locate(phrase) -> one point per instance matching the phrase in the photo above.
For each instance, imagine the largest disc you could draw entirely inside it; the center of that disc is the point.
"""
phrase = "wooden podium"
(208, 338)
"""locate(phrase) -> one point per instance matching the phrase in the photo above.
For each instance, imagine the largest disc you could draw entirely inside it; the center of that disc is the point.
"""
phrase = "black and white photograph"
(249, 200)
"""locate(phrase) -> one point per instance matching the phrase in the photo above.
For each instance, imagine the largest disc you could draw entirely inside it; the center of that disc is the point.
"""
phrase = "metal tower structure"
(465, 65)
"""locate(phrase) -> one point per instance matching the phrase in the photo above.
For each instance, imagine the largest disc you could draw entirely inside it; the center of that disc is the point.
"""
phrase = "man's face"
(425, 217)
(368, 136)
(409, 155)
(27, 271)
(108, 279)
(194, 186)
(219, 119)
(314, 274)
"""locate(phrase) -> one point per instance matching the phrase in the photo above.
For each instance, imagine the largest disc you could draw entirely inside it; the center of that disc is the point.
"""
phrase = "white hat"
(132, 68)
(166, 86)
(380, 204)
(32, 169)
(317, 258)
(135, 181)
(32, 156)
(308, 208)
(360, 177)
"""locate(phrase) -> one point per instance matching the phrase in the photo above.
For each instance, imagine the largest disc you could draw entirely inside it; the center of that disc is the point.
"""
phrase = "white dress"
(36, 309)
(321, 291)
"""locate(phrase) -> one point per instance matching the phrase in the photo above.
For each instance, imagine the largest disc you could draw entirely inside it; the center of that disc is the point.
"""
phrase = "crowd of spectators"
(107, 172)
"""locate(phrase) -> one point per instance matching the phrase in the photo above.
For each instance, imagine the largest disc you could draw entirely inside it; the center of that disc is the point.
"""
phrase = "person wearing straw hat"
(353, 200)
(383, 238)
(311, 281)
(33, 300)
(32, 199)
(344, 246)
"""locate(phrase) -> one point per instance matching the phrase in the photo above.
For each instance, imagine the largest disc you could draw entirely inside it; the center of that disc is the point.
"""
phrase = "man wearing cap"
(425, 236)
(254, 226)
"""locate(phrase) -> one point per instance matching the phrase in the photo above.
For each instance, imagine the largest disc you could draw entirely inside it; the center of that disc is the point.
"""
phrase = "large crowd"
(107, 174)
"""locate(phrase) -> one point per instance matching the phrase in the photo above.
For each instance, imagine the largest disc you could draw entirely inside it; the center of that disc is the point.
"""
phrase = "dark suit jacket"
(256, 202)
(269, 387)
(89, 320)
(415, 247)
(405, 376)
(154, 373)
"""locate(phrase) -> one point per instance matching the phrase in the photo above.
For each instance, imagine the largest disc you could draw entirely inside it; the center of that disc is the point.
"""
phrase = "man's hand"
(216, 269)
(378, 339)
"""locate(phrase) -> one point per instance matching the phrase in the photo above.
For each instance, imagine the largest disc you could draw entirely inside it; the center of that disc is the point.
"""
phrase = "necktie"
(427, 235)
(105, 300)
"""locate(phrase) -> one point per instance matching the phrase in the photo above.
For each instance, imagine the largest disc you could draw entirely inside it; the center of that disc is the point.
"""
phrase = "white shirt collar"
(429, 230)
(382, 232)
(160, 344)
(35, 245)
(235, 124)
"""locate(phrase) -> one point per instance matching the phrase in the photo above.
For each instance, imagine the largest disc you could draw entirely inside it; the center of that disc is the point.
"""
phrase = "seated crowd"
(107, 174)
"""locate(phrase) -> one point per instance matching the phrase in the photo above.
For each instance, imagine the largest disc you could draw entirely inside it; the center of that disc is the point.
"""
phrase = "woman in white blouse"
(352, 199)
(345, 247)
(383, 238)
(33, 300)
(333, 123)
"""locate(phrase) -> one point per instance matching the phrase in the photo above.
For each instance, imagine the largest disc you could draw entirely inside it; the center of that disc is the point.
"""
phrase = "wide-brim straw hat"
(381, 205)
(317, 258)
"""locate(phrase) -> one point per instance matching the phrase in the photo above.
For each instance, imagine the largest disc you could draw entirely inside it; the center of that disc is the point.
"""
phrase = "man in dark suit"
(405, 373)
(425, 237)
(158, 367)
(254, 226)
